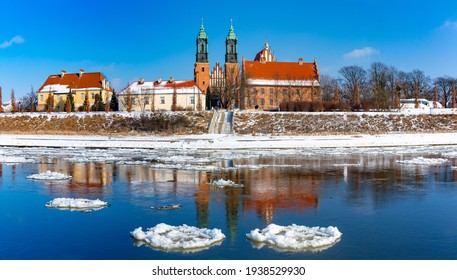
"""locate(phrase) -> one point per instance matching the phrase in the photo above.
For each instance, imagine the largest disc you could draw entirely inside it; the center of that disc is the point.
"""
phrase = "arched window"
(231, 49)
(202, 48)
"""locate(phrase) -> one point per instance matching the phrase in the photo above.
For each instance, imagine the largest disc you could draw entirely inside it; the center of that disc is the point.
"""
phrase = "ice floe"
(49, 175)
(347, 165)
(225, 183)
(76, 204)
(167, 207)
(184, 237)
(423, 161)
(296, 237)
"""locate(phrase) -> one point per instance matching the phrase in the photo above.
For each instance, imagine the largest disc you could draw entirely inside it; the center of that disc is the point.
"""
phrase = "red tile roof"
(75, 81)
(280, 70)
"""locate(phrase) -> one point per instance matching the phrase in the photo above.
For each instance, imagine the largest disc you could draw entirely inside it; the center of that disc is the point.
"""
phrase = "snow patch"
(423, 161)
(49, 175)
(76, 203)
(296, 237)
(183, 237)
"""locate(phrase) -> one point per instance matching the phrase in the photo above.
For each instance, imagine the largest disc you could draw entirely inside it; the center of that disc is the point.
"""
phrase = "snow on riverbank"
(76, 203)
(296, 237)
(49, 175)
(218, 142)
(183, 237)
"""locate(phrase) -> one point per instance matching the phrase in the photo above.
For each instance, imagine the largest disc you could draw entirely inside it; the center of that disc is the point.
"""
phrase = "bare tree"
(453, 96)
(328, 84)
(143, 98)
(231, 89)
(444, 88)
(50, 103)
(129, 101)
(30, 100)
(379, 77)
(352, 76)
(418, 79)
(199, 102)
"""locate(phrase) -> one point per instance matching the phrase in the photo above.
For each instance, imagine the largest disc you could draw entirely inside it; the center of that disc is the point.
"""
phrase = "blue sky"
(127, 40)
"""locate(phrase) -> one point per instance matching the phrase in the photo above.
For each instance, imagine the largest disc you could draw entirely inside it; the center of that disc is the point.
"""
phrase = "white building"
(158, 96)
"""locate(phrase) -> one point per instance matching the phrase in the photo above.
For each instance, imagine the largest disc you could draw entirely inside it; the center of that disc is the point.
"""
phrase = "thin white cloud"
(450, 24)
(359, 53)
(15, 40)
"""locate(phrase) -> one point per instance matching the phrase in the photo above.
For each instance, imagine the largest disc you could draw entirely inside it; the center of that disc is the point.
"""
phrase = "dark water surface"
(386, 206)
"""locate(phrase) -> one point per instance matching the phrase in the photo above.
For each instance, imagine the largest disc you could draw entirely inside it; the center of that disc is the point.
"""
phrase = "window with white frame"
(192, 100)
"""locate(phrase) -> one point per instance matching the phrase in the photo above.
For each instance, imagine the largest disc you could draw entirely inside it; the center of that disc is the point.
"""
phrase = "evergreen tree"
(114, 103)
(174, 100)
(68, 104)
(86, 104)
(71, 101)
(13, 102)
(107, 104)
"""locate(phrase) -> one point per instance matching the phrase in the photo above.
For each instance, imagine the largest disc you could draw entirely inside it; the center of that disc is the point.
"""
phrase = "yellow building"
(80, 84)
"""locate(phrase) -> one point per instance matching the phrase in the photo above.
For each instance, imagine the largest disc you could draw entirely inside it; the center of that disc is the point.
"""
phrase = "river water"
(389, 203)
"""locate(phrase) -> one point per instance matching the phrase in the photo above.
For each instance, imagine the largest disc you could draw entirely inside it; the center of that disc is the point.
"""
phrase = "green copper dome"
(202, 33)
(231, 35)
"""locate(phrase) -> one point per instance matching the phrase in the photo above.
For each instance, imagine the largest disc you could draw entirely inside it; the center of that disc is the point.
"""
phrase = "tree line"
(381, 87)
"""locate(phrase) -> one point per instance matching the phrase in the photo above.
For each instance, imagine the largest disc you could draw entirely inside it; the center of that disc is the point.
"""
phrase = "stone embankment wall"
(161, 123)
(244, 122)
(338, 123)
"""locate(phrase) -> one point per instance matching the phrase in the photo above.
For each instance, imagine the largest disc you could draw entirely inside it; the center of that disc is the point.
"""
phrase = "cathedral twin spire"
(231, 48)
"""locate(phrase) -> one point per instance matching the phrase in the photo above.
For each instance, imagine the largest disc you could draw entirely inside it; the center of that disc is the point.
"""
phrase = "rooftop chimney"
(141, 81)
(300, 61)
(81, 72)
(172, 79)
(63, 72)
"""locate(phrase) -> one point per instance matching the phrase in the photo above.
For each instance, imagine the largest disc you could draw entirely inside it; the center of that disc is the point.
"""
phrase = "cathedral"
(262, 83)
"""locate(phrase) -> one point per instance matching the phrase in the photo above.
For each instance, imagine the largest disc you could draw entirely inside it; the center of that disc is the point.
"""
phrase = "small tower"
(201, 68)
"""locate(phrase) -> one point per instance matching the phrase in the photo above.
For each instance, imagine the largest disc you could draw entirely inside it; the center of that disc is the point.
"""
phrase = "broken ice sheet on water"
(423, 161)
(225, 183)
(295, 237)
(80, 204)
(49, 175)
(178, 238)
(14, 159)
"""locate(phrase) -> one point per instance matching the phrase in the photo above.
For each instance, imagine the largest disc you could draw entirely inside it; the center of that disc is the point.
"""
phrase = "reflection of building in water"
(142, 180)
(87, 177)
(273, 188)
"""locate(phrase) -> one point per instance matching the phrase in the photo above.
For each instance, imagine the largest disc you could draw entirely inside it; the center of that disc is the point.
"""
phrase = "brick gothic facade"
(269, 82)
(262, 83)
